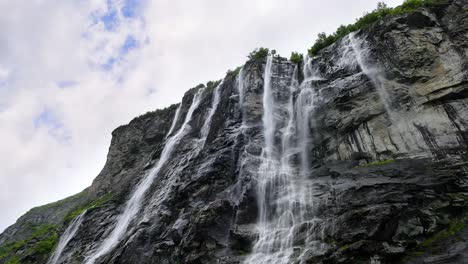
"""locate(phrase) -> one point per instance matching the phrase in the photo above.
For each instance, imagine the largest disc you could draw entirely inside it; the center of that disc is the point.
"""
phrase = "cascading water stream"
(373, 73)
(241, 91)
(174, 121)
(205, 130)
(304, 107)
(284, 191)
(65, 238)
(266, 175)
(376, 76)
(133, 205)
(268, 112)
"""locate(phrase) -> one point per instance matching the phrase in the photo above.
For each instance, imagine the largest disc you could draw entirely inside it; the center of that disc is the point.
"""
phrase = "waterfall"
(133, 205)
(304, 107)
(401, 125)
(373, 73)
(241, 91)
(205, 130)
(266, 175)
(174, 121)
(268, 111)
(65, 238)
(307, 71)
(284, 187)
(240, 86)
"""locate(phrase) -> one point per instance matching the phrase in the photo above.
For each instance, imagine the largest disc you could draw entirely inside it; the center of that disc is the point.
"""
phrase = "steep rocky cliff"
(358, 155)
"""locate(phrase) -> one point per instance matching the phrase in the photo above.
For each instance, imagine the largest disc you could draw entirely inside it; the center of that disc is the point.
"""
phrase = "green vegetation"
(61, 202)
(296, 57)
(212, 84)
(43, 230)
(47, 237)
(454, 227)
(96, 203)
(13, 260)
(10, 248)
(242, 252)
(200, 86)
(44, 237)
(346, 246)
(459, 196)
(259, 54)
(233, 72)
(196, 88)
(377, 163)
(380, 12)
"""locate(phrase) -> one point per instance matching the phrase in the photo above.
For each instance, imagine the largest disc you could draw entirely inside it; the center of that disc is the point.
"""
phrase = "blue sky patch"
(131, 8)
(109, 64)
(129, 44)
(55, 127)
(110, 20)
(66, 84)
(46, 118)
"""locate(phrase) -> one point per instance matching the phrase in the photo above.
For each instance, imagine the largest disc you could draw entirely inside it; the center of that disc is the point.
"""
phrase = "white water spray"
(373, 73)
(268, 111)
(240, 88)
(205, 130)
(266, 175)
(303, 109)
(133, 205)
(65, 238)
(174, 121)
(284, 191)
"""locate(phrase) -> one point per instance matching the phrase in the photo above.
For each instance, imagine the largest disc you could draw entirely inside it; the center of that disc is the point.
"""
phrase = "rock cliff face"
(358, 155)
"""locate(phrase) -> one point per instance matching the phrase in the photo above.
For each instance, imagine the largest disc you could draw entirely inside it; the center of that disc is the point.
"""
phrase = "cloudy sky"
(73, 70)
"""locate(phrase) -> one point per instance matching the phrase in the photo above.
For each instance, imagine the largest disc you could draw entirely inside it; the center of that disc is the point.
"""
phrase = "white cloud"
(64, 60)
(3, 74)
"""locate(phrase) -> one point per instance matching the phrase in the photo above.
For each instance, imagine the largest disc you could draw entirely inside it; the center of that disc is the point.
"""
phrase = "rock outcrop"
(387, 168)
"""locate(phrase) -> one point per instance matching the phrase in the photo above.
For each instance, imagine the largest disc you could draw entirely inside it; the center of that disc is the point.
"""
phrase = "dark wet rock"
(387, 188)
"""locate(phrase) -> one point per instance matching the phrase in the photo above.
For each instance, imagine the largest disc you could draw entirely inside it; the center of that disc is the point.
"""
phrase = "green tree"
(258, 54)
(382, 10)
(296, 57)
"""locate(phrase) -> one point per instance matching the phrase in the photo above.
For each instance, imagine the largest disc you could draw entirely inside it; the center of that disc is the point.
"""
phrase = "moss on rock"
(93, 204)
(36, 248)
(428, 244)
(377, 163)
